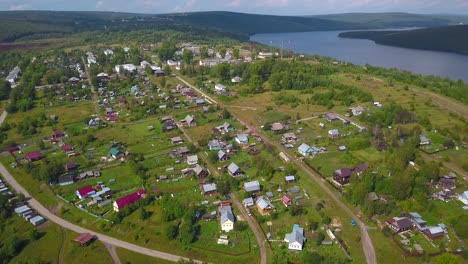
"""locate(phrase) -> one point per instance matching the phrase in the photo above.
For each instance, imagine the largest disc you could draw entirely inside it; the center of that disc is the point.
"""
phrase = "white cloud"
(16, 7)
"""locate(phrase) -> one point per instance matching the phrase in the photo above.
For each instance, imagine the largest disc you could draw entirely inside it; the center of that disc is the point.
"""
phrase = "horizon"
(264, 7)
(239, 12)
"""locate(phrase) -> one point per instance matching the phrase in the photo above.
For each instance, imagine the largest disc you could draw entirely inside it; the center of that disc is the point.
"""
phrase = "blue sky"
(279, 7)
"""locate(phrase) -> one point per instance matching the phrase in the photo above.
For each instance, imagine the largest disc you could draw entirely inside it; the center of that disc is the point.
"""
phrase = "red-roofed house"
(286, 200)
(122, 101)
(122, 202)
(57, 133)
(34, 156)
(13, 149)
(66, 148)
(111, 117)
(85, 192)
(53, 140)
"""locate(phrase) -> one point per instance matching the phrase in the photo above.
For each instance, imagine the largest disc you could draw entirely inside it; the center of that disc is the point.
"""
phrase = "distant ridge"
(449, 39)
(17, 25)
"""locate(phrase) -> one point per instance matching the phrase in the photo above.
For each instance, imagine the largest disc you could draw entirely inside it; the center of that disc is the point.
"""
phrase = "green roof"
(114, 151)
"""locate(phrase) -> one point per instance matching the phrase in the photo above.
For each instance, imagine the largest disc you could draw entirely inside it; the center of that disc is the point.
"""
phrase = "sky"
(276, 7)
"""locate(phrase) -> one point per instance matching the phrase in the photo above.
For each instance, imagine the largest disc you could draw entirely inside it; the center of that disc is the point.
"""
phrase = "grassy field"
(130, 257)
(56, 244)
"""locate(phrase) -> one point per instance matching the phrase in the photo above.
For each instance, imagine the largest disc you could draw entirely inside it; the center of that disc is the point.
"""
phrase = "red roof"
(34, 155)
(111, 117)
(286, 200)
(57, 133)
(13, 149)
(391, 220)
(85, 190)
(84, 238)
(53, 140)
(67, 147)
(122, 100)
(129, 199)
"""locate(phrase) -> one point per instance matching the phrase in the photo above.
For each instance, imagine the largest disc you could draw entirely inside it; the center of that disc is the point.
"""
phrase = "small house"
(400, 224)
(290, 179)
(67, 148)
(200, 172)
(224, 128)
(222, 156)
(65, 180)
(236, 79)
(242, 139)
(226, 217)
(296, 238)
(234, 170)
(342, 176)
(71, 166)
(434, 232)
(357, 111)
(286, 201)
(304, 149)
(248, 202)
(334, 134)
(463, 197)
(189, 121)
(115, 153)
(220, 88)
(331, 117)
(84, 192)
(34, 156)
(209, 189)
(253, 186)
(177, 140)
(264, 206)
(192, 160)
(216, 144)
(423, 140)
(58, 134)
(289, 138)
(277, 127)
(127, 200)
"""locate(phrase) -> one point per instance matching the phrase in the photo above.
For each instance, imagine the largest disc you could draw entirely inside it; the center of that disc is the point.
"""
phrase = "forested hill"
(449, 39)
(17, 25)
(396, 19)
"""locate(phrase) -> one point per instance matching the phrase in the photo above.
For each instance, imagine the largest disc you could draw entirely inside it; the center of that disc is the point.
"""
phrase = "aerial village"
(117, 138)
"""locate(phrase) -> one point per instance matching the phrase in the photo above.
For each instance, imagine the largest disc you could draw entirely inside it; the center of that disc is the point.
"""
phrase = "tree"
(256, 84)
(144, 214)
(320, 238)
(166, 52)
(223, 71)
(5, 89)
(235, 53)
(172, 232)
(187, 56)
(204, 52)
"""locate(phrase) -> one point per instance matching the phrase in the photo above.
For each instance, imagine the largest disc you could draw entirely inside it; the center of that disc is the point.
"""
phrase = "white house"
(227, 221)
(304, 149)
(192, 160)
(357, 111)
(125, 67)
(13, 75)
(108, 52)
(242, 139)
(172, 63)
(236, 79)
(220, 88)
(296, 238)
(463, 197)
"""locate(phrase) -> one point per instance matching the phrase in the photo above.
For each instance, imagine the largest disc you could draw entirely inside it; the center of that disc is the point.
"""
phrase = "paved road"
(367, 245)
(3, 116)
(104, 238)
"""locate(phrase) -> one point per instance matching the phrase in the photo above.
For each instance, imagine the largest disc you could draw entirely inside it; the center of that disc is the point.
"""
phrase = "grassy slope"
(451, 39)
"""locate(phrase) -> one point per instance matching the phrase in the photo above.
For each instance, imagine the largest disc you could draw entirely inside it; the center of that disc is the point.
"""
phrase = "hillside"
(17, 25)
(396, 20)
(449, 39)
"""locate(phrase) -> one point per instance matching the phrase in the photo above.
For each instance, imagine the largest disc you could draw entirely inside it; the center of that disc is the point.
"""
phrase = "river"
(361, 52)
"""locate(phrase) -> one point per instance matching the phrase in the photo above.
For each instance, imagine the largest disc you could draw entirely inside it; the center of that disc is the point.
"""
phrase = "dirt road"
(104, 238)
(366, 241)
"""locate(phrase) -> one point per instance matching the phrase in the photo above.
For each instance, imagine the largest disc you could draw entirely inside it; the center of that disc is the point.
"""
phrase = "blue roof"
(304, 148)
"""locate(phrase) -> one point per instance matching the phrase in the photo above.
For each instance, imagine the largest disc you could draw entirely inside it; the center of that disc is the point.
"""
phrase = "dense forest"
(450, 39)
(25, 25)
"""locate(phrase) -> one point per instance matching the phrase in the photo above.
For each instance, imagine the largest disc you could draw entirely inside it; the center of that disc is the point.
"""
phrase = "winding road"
(367, 246)
(113, 242)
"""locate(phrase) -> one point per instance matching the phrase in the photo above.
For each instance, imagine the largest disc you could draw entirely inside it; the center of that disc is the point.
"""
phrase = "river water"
(361, 52)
